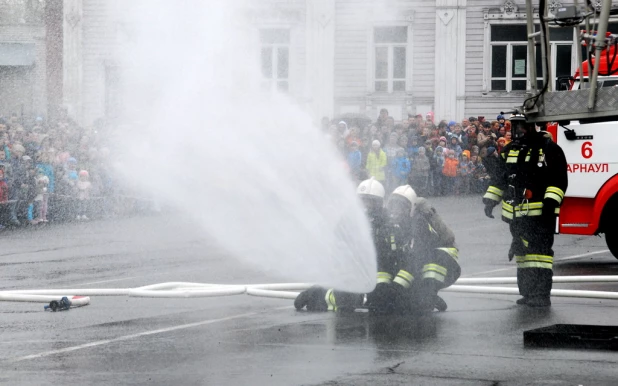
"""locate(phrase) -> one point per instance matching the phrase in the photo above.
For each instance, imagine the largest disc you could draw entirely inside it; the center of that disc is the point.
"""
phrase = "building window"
(275, 56)
(390, 45)
(509, 56)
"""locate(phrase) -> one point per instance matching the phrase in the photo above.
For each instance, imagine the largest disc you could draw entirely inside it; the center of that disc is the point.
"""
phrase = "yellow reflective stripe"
(507, 207)
(507, 214)
(492, 196)
(541, 258)
(553, 189)
(330, 300)
(393, 244)
(384, 277)
(554, 197)
(519, 258)
(529, 213)
(406, 275)
(453, 252)
(496, 191)
(404, 278)
(431, 229)
(524, 241)
(434, 267)
(401, 281)
(557, 211)
(511, 160)
(534, 264)
(434, 275)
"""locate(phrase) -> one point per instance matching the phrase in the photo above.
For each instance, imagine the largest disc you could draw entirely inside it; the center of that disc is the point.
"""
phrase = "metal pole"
(544, 53)
(599, 46)
(579, 52)
(531, 49)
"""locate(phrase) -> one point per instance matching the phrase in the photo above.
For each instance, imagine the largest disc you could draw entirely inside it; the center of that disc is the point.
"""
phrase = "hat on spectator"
(443, 139)
(466, 153)
(83, 173)
(26, 158)
(491, 150)
(472, 119)
(499, 117)
(375, 143)
(72, 160)
(452, 123)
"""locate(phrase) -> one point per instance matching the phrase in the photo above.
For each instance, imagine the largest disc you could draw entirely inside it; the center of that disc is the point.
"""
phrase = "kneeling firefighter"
(416, 258)
(530, 179)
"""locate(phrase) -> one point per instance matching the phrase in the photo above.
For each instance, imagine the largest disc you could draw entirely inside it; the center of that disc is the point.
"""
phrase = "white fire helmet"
(371, 187)
(409, 194)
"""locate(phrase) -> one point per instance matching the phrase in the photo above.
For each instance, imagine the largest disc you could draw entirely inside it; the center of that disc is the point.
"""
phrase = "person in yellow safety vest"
(416, 258)
(530, 181)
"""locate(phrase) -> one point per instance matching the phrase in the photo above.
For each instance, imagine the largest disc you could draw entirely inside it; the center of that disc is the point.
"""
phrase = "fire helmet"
(404, 194)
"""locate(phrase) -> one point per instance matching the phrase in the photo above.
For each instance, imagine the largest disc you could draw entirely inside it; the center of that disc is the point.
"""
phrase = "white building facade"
(457, 58)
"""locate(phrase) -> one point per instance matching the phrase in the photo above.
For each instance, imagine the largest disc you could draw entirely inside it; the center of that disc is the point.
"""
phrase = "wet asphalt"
(242, 340)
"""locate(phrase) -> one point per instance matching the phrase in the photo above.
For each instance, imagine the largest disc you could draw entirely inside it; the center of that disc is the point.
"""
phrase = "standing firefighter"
(416, 257)
(530, 179)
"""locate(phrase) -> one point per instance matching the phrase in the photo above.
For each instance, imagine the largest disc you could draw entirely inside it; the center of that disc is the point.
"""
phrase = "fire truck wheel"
(611, 238)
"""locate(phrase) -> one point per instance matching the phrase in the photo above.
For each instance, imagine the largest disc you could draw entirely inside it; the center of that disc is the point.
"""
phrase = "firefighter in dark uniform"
(416, 258)
(530, 181)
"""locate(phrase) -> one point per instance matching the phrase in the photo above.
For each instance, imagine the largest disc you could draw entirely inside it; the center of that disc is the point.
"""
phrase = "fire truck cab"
(591, 148)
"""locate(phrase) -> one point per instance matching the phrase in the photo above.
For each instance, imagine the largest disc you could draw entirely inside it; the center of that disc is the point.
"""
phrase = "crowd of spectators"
(53, 171)
(437, 158)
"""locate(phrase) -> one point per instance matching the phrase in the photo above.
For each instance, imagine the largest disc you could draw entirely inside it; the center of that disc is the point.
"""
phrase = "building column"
(73, 59)
(450, 59)
(53, 57)
(320, 58)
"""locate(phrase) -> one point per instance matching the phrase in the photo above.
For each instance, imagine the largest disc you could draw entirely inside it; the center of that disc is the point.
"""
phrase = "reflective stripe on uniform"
(554, 193)
(524, 241)
(535, 261)
(493, 193)
(393, 244)
(514, 154)
(404, 278)
(330, 300)
(434, 271)
(453, 252)
(431, 229)
(522, 210)
(384, 277)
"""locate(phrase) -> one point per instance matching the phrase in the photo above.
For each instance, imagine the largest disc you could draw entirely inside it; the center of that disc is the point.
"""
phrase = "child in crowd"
(4, 198)
(465, 171)
(354, 160)
(40, 200)
(419, 177)
(449, 172)
(400, 168)
(83, 194)
(438, 165)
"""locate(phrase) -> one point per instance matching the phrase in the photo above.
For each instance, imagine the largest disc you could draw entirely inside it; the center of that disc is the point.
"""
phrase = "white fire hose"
(80, 296)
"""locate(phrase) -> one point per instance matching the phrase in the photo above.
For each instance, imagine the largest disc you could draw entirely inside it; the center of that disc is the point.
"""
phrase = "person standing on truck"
(530, 179)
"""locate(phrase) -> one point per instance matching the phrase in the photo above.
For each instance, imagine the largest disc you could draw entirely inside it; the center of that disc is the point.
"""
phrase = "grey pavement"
(242, 340)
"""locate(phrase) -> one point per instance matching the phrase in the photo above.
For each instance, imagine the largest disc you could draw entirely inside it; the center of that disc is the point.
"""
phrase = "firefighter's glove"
(312, 298)
(380, 300)
(489, 207)
(549, 210)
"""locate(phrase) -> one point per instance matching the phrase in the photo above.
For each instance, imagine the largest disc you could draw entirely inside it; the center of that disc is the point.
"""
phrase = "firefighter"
(530, 180)
(416, 258)
(371, 192)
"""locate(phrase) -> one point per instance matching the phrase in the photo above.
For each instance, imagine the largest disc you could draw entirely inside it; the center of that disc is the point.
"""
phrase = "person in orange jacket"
(449, 171)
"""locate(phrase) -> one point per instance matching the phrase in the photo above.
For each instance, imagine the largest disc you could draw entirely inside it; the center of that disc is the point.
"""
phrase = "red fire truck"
(591, 203)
